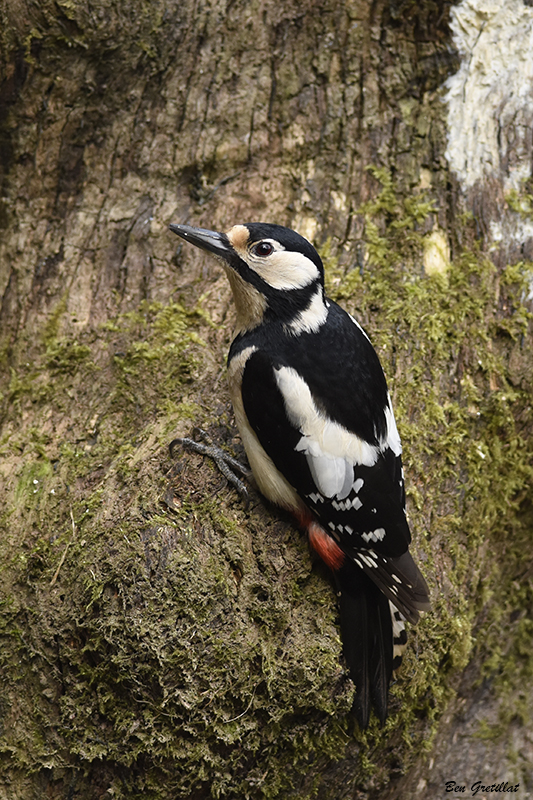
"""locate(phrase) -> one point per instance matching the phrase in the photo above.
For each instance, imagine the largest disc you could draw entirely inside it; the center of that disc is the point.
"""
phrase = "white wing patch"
(333, 455)
(332, 476)
(331, 450)
(323, 440)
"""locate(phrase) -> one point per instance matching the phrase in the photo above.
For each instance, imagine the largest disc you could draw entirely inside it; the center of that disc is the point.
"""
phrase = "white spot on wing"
(316, 498)
(374, 536)
(367, 560)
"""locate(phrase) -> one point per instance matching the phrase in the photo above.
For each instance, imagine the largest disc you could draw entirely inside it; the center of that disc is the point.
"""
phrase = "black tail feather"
(382, 658)
(399, 578)
(367, 636)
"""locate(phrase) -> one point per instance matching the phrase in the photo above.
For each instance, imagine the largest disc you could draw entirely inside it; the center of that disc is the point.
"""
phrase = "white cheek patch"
(284, 270)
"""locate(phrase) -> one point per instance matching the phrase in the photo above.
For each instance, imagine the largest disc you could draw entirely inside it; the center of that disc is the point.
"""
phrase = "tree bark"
(158, 638)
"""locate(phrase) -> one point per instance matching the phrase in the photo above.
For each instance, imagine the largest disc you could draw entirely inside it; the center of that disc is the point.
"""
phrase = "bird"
(315, 417)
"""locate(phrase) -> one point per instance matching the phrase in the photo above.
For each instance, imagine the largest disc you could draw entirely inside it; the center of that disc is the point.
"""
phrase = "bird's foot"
(223, 460)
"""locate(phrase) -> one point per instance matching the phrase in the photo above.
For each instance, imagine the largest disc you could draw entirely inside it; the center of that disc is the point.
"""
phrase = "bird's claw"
(223, 460)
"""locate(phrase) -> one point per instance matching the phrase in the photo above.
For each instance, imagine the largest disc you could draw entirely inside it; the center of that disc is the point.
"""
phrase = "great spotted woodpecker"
(313, 410)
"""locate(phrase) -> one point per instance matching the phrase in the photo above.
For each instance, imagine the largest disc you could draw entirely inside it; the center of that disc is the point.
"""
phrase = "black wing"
(329, 429)
(352, 482)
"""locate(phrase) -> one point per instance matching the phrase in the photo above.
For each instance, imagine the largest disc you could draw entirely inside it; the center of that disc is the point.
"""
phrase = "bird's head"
(275, 273)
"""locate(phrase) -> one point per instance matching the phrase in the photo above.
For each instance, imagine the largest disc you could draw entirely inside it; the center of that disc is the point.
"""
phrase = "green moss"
(521, 202)
(52, 325)
(33, 474)
(65, 356)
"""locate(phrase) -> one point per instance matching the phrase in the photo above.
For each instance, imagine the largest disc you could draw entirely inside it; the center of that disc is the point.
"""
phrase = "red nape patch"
(324, 545)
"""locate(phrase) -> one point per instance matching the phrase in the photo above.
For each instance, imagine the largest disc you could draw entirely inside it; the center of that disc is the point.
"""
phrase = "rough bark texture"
(158, 639)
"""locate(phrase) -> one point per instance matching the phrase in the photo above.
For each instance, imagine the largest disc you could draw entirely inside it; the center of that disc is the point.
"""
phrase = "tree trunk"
(159, 639)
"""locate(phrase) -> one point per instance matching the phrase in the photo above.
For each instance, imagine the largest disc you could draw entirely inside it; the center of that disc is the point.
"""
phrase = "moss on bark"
(193, 651)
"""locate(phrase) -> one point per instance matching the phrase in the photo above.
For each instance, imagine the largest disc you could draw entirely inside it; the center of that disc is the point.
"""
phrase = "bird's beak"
(213, 242)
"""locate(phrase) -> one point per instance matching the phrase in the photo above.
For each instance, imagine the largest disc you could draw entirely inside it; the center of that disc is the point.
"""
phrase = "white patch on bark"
(490, 98)
(436, 253)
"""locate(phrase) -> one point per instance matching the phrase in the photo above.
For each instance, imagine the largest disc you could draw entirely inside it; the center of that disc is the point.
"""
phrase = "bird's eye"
(262, 249)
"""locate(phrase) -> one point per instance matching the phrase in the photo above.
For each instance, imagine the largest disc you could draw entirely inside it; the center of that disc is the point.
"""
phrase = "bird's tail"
(373, 636)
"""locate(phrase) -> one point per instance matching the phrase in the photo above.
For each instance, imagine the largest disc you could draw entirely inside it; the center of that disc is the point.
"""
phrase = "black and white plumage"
(312, 406)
